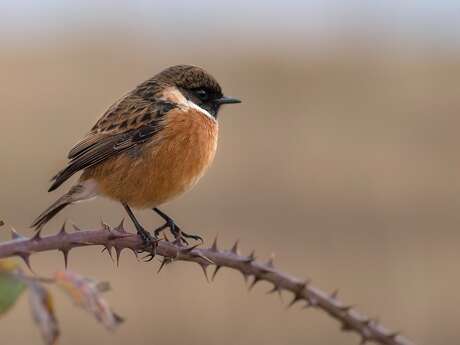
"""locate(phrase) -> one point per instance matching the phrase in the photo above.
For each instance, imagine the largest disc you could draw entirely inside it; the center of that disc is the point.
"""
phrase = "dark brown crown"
(189, 77)
(192, 82)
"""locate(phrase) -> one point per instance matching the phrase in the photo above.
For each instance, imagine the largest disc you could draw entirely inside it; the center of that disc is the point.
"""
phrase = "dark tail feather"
(50, 212)
(61, 177)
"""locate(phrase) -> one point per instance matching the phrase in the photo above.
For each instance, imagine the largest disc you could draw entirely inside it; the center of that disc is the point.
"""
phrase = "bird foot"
(150, 244)
(180, 237)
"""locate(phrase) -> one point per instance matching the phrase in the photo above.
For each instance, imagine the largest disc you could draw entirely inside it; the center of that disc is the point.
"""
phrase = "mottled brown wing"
(123, 115)
(128, 123)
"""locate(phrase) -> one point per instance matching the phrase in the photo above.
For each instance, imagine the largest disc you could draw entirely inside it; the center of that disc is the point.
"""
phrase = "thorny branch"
(118, 239)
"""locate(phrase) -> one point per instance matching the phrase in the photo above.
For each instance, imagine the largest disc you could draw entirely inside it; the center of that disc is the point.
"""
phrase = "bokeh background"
(342, 159)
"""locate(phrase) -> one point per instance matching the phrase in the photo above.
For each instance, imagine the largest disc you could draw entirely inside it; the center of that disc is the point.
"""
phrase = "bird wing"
(118, 118)
(129, 122)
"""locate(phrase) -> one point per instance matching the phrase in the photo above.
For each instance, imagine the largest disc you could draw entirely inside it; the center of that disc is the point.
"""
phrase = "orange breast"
(164, 168)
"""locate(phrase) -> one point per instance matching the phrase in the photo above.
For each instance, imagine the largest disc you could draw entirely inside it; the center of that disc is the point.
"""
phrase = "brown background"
(342, 160)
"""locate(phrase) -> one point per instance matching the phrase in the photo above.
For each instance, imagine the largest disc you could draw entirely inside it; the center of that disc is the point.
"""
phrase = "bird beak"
(227, 100)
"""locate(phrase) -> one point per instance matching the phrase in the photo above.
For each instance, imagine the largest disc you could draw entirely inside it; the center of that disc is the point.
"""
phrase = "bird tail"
(82, 191)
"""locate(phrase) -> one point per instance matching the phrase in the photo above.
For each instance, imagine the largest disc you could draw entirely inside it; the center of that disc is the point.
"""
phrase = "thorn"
(270, 260)
(115, 234)
(214, 246)
(75, 227)
(37, 236)
(109, 251)
(135, 253)
(254, 282)
(15, 235)
(251, 257)
(118, 253)
(25, 256)
(208, 260)
(65, 253)
(245, 276)
(334, 294)
(295, 299)
(276, 289)
(205, 258)
(164, 262)
(205, 271)
(215, 272)
(188, 250)
(62, 232)
(105, 226)
(234, 249)
(121, 226)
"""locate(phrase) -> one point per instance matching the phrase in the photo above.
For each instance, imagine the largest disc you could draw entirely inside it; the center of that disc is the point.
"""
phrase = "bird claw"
(150, 245)
(149, 257)
(180, 237)
(193, 237)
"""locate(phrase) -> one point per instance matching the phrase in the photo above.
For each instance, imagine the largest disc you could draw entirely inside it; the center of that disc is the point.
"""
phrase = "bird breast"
(167, 166)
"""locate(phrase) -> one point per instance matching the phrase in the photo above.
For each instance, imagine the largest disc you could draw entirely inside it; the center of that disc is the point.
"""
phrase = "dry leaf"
(41, 304)
(87, 294)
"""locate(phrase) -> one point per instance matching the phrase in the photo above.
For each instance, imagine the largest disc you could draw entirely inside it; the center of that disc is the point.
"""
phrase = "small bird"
(149, 147)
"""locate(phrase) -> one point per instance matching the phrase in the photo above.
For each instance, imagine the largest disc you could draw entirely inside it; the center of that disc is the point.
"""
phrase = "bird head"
(195, 86)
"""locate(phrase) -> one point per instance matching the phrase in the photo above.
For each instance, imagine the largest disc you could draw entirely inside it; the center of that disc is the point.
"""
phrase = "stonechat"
(149, 147)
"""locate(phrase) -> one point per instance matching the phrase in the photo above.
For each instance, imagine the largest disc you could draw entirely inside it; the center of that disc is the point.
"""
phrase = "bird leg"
(150, 242)
(176, 231)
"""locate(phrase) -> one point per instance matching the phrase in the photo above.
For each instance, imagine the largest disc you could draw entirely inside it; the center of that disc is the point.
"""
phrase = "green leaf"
(11, 287)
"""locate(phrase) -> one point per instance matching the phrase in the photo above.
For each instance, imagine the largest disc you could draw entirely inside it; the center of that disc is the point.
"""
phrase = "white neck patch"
(192, 105)
(173, 95)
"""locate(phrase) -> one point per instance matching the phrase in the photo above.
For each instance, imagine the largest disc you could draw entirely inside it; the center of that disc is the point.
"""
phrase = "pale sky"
(437, 20)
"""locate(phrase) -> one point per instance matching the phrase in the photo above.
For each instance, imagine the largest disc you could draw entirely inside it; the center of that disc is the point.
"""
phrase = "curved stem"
(118, 239)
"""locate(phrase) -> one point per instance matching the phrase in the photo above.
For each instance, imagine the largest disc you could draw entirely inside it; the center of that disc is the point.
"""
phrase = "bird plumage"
(148, 147)
(114, 134)
(166, 166)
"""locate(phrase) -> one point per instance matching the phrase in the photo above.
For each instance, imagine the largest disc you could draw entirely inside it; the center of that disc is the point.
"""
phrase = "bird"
(149, 147)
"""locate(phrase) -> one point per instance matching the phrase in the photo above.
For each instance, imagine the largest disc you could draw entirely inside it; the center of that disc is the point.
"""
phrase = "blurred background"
(342, 160)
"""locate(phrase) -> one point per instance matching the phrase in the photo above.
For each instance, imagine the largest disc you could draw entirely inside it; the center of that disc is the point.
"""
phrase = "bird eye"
(202, 94)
